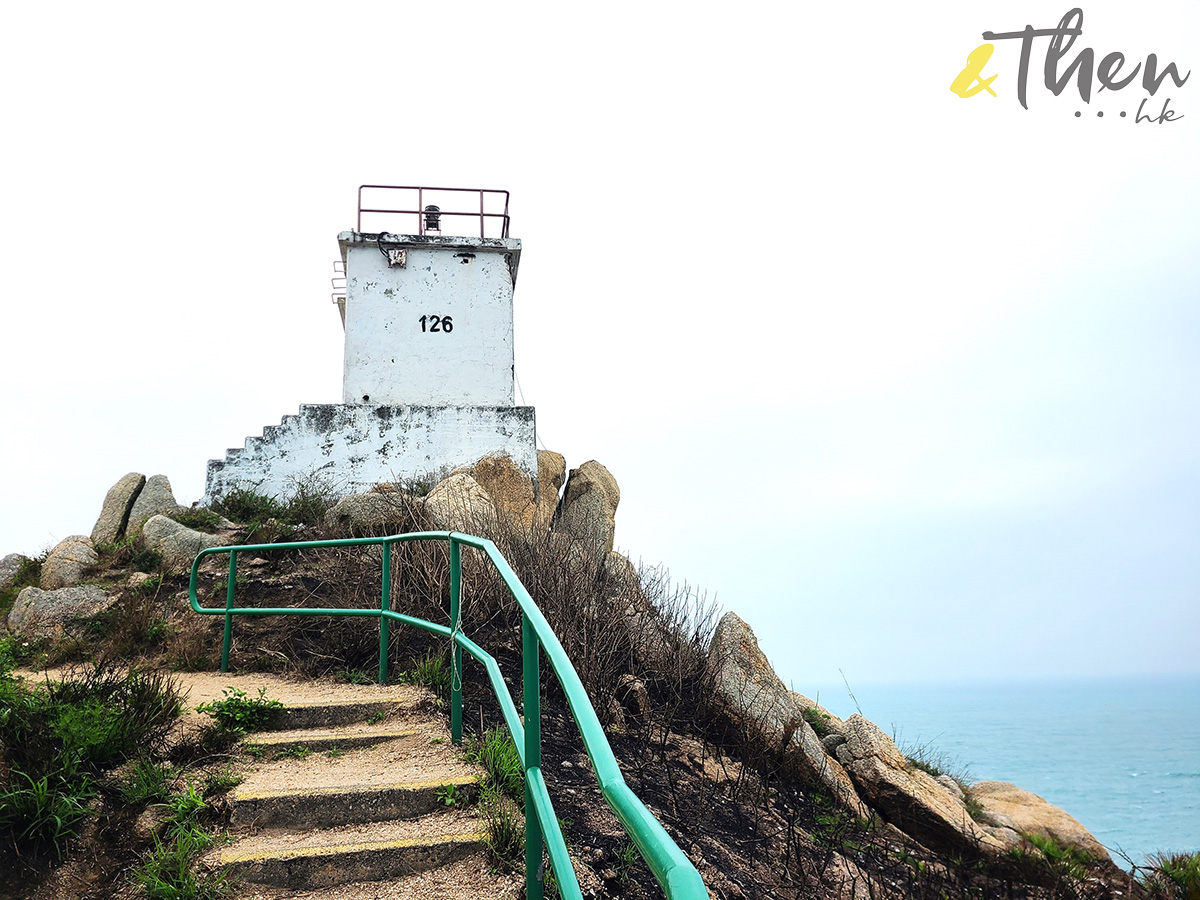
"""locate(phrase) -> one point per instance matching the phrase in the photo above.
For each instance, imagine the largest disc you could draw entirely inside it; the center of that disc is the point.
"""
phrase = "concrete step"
(326, 739)
(398, 777)
(326, 857)
(327, 714)
(470, 878)
(374, 811)
(353, 804)
(307, 704)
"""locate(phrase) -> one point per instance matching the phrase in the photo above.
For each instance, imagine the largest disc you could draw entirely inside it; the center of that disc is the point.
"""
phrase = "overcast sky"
(905, 379)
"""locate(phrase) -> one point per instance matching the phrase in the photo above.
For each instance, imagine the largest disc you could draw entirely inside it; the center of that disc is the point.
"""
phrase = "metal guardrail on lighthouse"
(435, 210)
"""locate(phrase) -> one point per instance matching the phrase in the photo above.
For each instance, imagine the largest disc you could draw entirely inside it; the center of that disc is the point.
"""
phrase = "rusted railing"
(428, 217)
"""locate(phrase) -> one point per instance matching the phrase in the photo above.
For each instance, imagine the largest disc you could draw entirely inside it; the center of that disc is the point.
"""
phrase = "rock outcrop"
(510, 489)
(67, 563)
(909, 798)
(459, 503)
(552, 472)
(114, 514)
(751, 695)
(154, 499)
(49, 615)
(376, 510)
(588, 507)
(10, 568)
(175, 543)
(1008, 806)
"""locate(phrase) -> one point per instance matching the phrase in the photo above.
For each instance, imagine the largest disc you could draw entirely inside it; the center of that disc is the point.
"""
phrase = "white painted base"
(351, 448)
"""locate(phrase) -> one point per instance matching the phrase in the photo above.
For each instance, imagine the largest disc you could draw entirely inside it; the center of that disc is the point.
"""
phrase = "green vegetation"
(502, 797)
(505, 830)
(497, 754)
(1172, 876)
(354, 676)
(836, 828)
(224, 779)
(937, 764)
(299, 752)
(239, 713)
(817, 718)
(28, 574)
(15, 652)
(58, 737)
(168, 871)
(1047, 859)
(146, 560)
(198, 519)
(130, 553)
(151, 585)
(44, 812)
(448, 795)
(627, 858)
(431, 671)
(248, 507)
(148, 782)
(268, 518)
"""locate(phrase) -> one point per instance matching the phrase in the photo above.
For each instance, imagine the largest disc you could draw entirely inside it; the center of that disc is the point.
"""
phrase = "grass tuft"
(269, 518)
(148, 782)
(497, 754)
(431, 671)
(168, 871)
(44, 812)
(505, 830)
(817, 719)
(199, 519)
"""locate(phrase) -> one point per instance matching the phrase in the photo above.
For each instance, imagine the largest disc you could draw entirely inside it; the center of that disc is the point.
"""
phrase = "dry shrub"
(610, 623)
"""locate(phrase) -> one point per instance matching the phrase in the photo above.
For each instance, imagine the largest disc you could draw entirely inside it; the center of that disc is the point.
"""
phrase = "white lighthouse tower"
(428, 366)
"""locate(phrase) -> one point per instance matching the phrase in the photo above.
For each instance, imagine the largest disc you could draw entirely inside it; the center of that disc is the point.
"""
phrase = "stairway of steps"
(349, 798)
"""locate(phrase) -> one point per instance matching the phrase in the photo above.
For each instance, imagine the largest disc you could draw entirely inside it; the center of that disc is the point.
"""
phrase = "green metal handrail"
(676, 874)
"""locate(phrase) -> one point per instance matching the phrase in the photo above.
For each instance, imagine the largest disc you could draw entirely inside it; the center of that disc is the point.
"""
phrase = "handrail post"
(228, 638)
(532, 703)
(385, 603)
(455, 650)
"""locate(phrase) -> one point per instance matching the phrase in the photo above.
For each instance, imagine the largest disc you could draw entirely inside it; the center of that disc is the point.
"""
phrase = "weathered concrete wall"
(352, 448)
(436, 332)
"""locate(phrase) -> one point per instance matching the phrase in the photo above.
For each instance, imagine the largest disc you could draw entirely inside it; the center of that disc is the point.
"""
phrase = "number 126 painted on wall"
(437, 323)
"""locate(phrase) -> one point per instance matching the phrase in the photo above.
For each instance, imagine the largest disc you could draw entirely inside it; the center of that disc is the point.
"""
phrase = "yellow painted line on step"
(229, 857)
(265, 738)
(350, 701)
(352, 788)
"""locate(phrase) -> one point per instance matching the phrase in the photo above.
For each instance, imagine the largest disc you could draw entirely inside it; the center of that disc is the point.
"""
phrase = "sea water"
(1120, 755)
